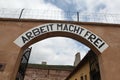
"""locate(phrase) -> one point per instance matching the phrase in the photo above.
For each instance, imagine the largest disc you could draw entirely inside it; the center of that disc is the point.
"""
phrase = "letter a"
(24, 39)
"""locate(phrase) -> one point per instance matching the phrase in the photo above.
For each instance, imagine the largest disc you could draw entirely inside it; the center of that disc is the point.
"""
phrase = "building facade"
(87, 69)
(47, 72)
(16, 35)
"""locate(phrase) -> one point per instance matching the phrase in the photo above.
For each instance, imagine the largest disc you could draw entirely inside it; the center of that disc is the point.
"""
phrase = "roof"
(52, 67)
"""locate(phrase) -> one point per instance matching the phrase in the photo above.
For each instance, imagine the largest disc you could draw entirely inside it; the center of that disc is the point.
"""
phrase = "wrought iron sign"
(95, 40)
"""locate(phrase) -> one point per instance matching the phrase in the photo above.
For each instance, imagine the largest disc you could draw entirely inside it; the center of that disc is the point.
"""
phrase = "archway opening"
(76, 32)
(53, 49)
(83, 49)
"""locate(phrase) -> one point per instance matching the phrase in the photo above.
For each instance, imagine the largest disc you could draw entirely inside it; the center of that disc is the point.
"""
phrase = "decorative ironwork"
(23, 64)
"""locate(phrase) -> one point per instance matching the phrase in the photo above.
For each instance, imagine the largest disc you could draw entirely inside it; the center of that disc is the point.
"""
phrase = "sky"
(63, 5)
(64, 51)
(57, 50)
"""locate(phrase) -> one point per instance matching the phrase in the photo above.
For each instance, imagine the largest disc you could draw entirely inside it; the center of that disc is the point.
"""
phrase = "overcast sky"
(63, 5)
(57, 50)
(64, 51)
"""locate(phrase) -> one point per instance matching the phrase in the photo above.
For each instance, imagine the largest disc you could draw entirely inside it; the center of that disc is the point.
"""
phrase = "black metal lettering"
(76, 29)
(92, 37)
(59, 26)
(51, 27)
(81, 30)
(36, 31)
(48, 28)
(42, 29)
(65, 28)
(87, 33)
(24, 39)
(70, 28)
(29, 35)
(99, 43)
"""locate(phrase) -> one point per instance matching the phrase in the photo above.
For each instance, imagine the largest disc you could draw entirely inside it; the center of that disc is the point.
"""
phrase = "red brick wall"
(45, 74)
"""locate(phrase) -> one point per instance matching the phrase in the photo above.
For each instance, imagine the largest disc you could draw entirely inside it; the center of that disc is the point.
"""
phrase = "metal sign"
(95, 40)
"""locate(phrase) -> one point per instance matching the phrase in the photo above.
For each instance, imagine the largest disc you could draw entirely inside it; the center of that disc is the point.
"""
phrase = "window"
(2, 66)
(81, 78)
(85, 77)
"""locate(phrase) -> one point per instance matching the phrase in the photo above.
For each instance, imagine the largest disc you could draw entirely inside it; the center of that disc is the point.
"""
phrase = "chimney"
(77, 59)
(44, 63)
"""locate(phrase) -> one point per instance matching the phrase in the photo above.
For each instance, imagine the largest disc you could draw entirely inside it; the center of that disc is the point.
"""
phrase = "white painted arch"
(40, 30)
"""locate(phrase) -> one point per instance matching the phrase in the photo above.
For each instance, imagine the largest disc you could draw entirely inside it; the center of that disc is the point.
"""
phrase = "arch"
(76, 32)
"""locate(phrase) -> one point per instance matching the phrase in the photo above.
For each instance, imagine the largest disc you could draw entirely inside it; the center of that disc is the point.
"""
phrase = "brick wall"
(46, 74)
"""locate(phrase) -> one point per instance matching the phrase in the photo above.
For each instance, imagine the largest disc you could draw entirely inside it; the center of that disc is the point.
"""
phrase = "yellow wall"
(84, 70)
